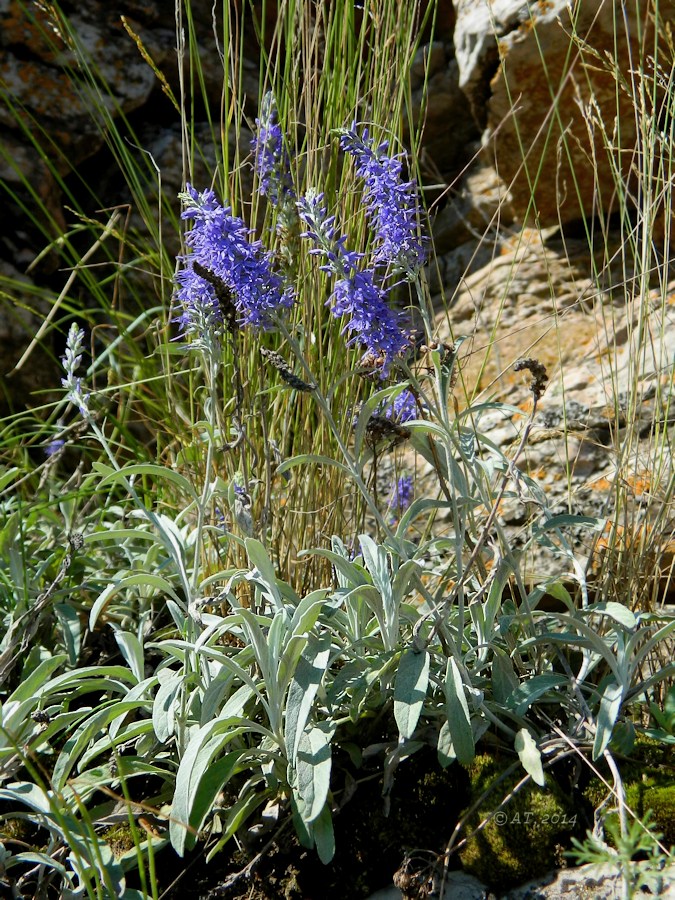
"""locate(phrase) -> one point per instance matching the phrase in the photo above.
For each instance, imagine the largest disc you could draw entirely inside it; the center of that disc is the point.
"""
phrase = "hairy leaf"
(530, 757)
(459, 718)
(410, 690)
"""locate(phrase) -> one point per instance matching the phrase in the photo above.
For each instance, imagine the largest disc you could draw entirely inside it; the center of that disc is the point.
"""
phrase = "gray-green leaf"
(530, 757)
(410, 690)
(312, 771)
(610, 704)
(308, 674)
(459, 719)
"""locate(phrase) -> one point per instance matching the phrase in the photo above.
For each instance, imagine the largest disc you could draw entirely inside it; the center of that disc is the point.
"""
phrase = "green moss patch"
(649, 783)
(525, 838)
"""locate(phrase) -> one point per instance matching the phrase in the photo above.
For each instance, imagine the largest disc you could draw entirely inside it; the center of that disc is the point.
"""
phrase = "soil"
(371, 845)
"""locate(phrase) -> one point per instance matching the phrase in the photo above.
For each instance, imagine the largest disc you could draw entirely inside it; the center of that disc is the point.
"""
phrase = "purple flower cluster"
(390, 203)
(392, 206)
(270, 157)
(402, 409)
(402, 493)
(219, 243)
(371, 320)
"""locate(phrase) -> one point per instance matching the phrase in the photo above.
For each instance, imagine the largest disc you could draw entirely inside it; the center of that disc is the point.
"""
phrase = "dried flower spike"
(539, 374)
(380, 430)
(223, 295)
(285, 370)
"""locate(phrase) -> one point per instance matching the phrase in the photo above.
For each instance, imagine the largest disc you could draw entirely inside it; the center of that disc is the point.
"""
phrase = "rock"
(51, 97)
(51, 133)
(531, 294)
(479, 26)
(515, 57)
(163, 146)
(38, 73)
(21, 163)
(458, 886)
(591, 881)
(479, 204)
(387, 893)
(598, 882)
(443, 154)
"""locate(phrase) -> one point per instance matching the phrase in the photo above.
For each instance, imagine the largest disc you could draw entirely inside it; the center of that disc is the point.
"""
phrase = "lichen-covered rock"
(548, 80)
(53, 94)
(590, 882)
(524, 292)
(480, 203)
(479, 26)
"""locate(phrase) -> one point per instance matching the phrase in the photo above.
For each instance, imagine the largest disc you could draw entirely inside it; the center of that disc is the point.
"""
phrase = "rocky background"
(514, 263)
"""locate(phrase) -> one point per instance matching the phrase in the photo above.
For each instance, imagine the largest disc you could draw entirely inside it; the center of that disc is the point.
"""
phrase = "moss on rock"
(649, 783)
(527, 836)
(649, 793)
(661, 801)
